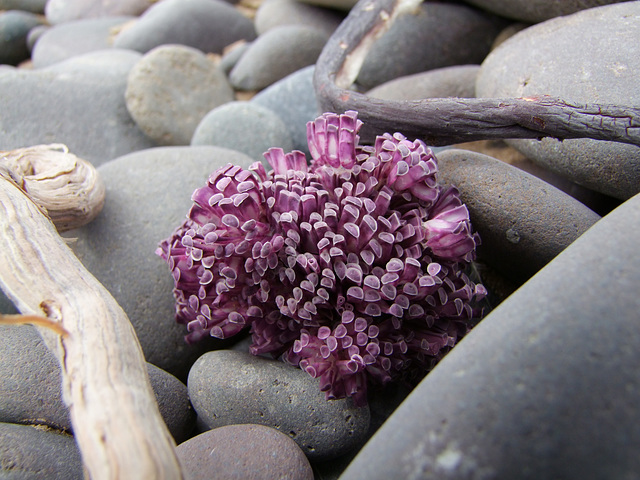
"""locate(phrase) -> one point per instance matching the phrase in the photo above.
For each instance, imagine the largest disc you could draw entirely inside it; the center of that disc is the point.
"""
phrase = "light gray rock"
(276, 54)
(208, 25)
(243, 126)
(14, 29)
(438, 35)
(546, 386)
(74, 38)
(30, 453)
(523, 221)
(247, 452)
(277, 13)
(534, 11)
(294, 99)
(228, 387)
(148, 196)
(78, 102)
(457, 81)
(171, 89)
(30, 391)
(62, 11)
(588, 57)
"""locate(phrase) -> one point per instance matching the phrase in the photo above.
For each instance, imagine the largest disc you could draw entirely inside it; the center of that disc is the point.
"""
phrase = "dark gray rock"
(30, 453)
(229, 387)
(171, 89)
(569, 61)
(78, 102)
(457, 81)
(148, 196)
(243, 126)
(336, 4)
(523, 221)
(534, 11)
(277, 13)
(243, 452)
(438, 35)
(14, 29)
(275, 54)
(62, 11)
(33, 6)
(294, 99)
(208, 25)
(546, 386)
(30, 391)
(74, 38)
(6, 305)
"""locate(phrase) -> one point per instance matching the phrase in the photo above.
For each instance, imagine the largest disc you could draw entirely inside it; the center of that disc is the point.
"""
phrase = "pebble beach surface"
(159, 94)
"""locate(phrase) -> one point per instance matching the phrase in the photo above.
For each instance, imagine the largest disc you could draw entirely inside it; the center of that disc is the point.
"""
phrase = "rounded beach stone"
(438, 35)
(67, 40)
(277, 13)
(228, 387)
(28, 453)
(546, 386)
(30, 390)
(275, 54)
(294, 99)
(533, 11)
(588, 57)
(523, 221)
(78, 102)
(457, 81)
(208, 25)
(171, 89)
(148, 196)
(14, 29)
(243, 452)
(62, 11)
(243, 126)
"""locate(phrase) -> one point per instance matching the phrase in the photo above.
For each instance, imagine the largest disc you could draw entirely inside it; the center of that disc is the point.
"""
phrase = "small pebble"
(228, 387)
(243, 452)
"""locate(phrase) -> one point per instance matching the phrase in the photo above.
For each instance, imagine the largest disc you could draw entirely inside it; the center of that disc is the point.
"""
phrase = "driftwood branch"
(115, 417)
(444, 121)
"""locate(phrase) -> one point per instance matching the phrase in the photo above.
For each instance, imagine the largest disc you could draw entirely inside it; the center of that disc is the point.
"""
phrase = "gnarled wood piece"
(444, 121)
(115, 417)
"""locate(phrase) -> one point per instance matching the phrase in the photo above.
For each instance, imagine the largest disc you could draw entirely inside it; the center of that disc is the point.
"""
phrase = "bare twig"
(444, 121)
(114, 413)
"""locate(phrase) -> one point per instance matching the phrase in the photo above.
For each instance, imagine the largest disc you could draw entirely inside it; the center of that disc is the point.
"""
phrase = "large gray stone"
(523, 221)
(589, 57)
(229, 387)
(78, 102)
(148, 196)
(208, 25)
(171, 89)
(438, 35)
(546, 386)
(533, 11)
(30, 453)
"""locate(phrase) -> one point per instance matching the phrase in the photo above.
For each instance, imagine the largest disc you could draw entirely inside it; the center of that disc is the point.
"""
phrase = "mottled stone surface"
(31, 386)
(570, 62)
(229, 387)
(276, 54)
(171, 89)
(208, 25)
(546, 386)
(243, 452)
(148, 196)
(243, 126)
(33, 453)
(534, 11)
(523, 221)
(457, 81)
(438, 35)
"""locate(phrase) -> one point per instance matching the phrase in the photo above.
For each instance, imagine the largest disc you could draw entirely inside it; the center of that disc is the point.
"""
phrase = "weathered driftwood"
(68, 188)
(444, 121)
(115, 417)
